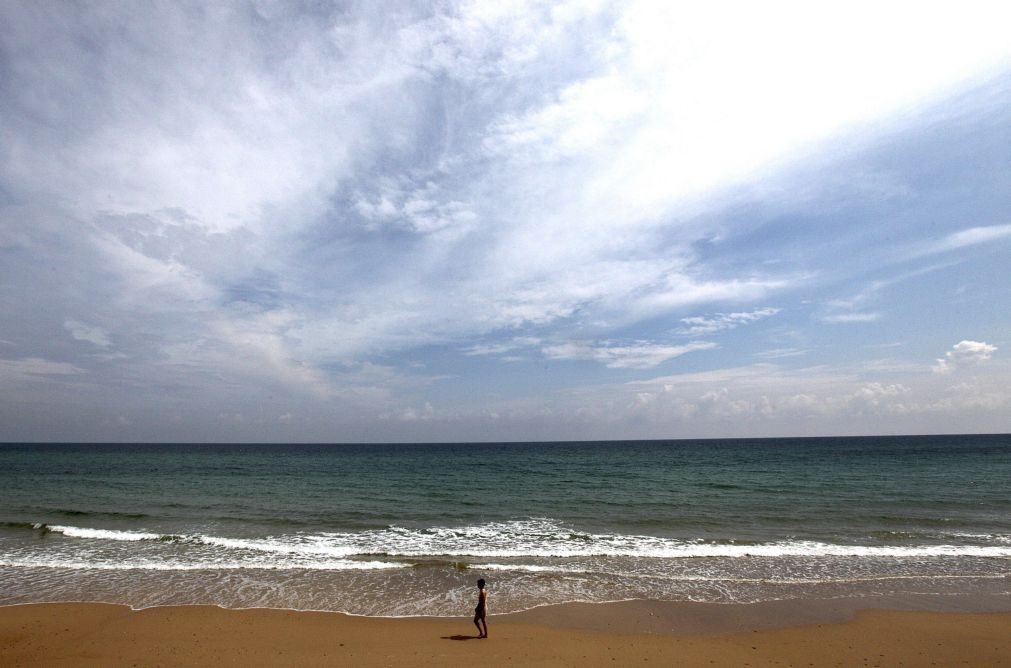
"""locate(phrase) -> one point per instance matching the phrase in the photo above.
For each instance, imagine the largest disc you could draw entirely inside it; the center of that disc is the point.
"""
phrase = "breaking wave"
(540, 538)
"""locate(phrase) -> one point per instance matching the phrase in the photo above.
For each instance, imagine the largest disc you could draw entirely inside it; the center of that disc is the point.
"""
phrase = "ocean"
(406, 529)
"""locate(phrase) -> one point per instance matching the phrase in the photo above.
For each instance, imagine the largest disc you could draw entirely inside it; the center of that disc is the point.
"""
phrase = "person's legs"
(484, 622)
(477, 616)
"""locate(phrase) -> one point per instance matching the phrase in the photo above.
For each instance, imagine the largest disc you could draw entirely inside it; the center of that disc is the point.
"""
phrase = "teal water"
(340, 527)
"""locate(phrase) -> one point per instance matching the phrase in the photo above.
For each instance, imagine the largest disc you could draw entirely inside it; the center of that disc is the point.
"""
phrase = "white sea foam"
(536, 538)
(352, 571)
(104, 534)
(294, 544)
(527, 568)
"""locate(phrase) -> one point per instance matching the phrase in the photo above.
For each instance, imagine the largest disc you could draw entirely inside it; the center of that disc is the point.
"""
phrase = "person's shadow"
(460, 637)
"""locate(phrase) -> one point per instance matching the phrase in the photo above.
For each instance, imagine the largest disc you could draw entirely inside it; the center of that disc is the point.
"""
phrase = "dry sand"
(622, 634)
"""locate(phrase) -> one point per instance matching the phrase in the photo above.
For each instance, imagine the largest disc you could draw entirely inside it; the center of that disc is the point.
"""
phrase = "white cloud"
(502, 347)
(422, 210)
(968, 237)
(671, 131)
(771, 399)
(638, 355)
(701, 325)
(678, 290)
(585, 117)
(83, 332)
(618, 123)
(35, 368)
(855, 307)
(489, 349)
(964, 353)
(776, 353)
(842, 318)
(875, 393)
(412, 414)
(763, 400)
(273, 202)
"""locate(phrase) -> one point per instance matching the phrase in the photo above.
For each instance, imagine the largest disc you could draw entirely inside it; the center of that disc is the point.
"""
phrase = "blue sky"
(503, 220)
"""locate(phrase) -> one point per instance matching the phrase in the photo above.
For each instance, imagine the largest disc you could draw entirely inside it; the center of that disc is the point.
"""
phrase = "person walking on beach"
(481, 611)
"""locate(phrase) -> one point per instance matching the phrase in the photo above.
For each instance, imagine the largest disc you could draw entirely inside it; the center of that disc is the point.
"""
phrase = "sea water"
(406, 529)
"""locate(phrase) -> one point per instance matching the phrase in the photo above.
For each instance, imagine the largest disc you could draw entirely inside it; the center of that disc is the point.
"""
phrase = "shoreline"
(582, 614)
(689, 618)
(883, 630)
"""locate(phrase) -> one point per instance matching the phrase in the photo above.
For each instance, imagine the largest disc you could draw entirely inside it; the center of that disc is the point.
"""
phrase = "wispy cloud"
(776, 353)
(637, 355)
(516, 343)
(855, 308)
(35, 369)
(971, 236)
(286, 205)
(843, 318)
(702, 325)
(489, 349)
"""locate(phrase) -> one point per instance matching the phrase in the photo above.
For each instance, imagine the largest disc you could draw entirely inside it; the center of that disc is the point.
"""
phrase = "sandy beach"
(840, 633)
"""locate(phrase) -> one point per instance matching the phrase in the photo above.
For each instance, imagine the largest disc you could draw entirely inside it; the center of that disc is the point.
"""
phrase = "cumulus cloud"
(962, 354)
(874, 394)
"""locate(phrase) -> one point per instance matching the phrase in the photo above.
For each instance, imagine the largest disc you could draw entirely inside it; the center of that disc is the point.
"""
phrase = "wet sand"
(847, 632)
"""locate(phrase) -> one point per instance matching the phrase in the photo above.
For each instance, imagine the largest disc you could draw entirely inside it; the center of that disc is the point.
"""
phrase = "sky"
(487, 221)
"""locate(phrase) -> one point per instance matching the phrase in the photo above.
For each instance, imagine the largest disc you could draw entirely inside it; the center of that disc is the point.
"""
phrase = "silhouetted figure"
(481, 611)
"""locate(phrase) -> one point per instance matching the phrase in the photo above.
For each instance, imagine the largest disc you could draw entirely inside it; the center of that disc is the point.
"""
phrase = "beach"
(661, 332)
(840, 633)
(852, 551)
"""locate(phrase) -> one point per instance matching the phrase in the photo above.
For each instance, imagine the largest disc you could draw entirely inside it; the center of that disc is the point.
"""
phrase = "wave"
(105, 534)
(540, 538)
(532, 568)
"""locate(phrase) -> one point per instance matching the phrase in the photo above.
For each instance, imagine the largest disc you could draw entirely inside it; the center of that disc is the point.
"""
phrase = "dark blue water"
(336, 526)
